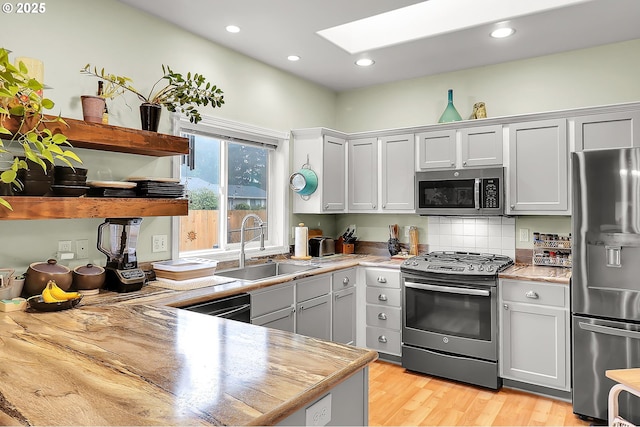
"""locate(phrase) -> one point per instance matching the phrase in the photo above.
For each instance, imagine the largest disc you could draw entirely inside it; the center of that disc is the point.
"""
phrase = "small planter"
(150, 116)
(92, 108)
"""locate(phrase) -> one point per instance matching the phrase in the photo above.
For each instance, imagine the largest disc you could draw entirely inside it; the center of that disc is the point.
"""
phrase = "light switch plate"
(524, 234)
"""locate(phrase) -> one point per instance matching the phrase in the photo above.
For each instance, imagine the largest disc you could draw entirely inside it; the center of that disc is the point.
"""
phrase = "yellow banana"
(57, 293)
(47, 297)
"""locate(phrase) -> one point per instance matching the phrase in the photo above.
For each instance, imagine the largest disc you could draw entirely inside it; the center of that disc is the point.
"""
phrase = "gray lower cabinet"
(274, 307)
(343, 323)
(383, 312)
(534, 333)
(313, 306)
(283, 319)
(313, 317)
(345, 405)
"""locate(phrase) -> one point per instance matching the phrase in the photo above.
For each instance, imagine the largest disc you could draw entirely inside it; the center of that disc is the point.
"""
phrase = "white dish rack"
(560, 248)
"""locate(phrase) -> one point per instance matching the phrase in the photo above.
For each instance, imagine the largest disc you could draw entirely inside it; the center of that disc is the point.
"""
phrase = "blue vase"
(450, 113)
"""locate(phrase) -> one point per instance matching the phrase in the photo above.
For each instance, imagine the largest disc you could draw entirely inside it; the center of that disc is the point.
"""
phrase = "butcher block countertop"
(135, 359)
(537, 273)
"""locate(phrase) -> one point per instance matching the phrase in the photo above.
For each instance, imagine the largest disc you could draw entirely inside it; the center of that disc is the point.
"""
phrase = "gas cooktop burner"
(453, 262)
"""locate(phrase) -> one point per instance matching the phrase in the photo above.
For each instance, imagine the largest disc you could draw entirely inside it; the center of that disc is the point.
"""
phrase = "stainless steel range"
(450, 317)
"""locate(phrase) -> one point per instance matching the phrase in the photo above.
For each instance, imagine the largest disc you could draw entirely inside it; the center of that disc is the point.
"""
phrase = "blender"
(123, 273)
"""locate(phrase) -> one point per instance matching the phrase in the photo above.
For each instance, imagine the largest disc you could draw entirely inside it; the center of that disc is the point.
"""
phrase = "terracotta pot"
(39, 273)
(92, 108)
(88, 278)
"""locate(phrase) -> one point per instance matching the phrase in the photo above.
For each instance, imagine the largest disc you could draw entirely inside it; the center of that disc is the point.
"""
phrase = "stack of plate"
(185, 268)
(111, 189)
(158, 187)
(69, 181)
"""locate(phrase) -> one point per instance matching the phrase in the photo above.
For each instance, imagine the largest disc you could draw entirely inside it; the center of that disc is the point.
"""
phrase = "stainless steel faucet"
(260, 227)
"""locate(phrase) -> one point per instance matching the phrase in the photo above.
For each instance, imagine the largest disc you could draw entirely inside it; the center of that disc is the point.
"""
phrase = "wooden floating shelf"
(28, 207)
(98, 136)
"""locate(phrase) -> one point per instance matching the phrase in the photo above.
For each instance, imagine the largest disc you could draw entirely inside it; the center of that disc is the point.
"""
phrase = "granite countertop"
(537, 273)
(133, 359)
(152, 365)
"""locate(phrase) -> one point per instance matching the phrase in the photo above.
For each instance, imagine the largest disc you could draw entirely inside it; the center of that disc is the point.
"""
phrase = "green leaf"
(6, 204)
(59, 138)
(47, 103)
(8, 176)
(73, 156)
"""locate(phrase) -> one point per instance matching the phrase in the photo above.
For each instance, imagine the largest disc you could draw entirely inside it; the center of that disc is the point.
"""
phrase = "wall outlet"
(524, 234)
(159, 243)
(82, 248)
(64, 246)
(406, 230)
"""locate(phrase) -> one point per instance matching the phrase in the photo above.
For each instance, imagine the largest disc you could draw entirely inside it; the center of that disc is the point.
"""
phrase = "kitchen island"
(133, 364)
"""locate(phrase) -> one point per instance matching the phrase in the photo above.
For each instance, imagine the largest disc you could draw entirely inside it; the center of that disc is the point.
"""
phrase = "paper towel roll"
(301, 241)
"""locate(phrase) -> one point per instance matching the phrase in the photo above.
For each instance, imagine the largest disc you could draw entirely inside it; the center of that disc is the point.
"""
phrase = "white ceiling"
(273, 29)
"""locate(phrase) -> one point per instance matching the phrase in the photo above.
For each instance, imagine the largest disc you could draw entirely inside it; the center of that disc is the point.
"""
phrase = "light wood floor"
(399, 397)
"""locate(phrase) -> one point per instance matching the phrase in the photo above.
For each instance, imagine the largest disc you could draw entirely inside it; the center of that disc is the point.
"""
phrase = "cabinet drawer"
(384, 277)
(384, 317)
(313, 287)
(384, 340)
(271, 299)
(344, 278)
(554, 295)
(383, 296)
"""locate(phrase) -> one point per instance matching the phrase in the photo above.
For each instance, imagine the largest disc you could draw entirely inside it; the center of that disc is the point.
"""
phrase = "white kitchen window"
(233, 170)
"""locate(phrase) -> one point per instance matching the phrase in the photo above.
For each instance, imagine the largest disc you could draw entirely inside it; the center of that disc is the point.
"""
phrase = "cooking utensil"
(89, 278)
(39, 273)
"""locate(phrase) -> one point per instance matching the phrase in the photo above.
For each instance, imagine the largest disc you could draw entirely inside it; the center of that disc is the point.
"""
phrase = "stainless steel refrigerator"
(605, 288)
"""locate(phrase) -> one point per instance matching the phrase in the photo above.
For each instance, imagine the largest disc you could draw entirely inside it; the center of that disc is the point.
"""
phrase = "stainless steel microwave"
(460, 192)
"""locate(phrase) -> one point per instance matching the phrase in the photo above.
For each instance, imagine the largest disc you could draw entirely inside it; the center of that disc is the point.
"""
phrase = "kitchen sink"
(264, 271)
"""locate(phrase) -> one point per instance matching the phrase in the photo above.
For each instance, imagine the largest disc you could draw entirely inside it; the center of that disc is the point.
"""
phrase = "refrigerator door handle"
(608, 330)
(613, 256)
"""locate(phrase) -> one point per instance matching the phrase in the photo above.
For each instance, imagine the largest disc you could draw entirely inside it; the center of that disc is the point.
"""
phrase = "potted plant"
(22, 108)
(180, 93)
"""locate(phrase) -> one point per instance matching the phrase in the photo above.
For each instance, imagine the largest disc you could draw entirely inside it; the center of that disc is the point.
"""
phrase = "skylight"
(430, 18)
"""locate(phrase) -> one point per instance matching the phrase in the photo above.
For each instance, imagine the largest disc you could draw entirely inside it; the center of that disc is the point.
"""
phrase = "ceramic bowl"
(37, 303)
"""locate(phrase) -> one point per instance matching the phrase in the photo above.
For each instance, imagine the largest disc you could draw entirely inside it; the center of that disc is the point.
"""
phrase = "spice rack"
(552, 250)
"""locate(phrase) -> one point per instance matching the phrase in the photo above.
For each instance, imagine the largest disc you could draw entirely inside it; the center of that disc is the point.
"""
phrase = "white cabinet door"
(437, 149)
(538, 168)
(398, 176)
(534, 333)
(481, 146)
(363, 174)
(607, 130)
(333, 188)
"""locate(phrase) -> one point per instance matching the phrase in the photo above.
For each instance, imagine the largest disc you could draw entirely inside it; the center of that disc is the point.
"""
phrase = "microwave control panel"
(490, 193)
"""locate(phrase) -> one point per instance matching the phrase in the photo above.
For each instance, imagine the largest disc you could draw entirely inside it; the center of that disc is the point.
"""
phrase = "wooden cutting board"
(315, 232)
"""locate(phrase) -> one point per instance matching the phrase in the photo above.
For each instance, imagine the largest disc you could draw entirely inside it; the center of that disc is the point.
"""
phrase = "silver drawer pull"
(381, 279)
(532, 295)
(345, 281)
(382, 316)
(382, 339)
(382, 297)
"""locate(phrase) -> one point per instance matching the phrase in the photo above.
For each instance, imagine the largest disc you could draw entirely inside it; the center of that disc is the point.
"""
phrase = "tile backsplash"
(495, 235)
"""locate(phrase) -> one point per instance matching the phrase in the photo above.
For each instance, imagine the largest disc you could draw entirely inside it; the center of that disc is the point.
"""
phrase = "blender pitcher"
(123, 274)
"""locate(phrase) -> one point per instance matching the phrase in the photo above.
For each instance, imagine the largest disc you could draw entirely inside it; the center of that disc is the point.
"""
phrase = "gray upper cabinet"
(607, 130)
(538, 168)
(437, 149)
(481, 146)
(363, 174)
(398, 176)
(324, 151)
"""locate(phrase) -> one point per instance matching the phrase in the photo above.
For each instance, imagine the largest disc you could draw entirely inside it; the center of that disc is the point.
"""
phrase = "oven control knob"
(480, 268)
(490, 268)
(470, 267)
(414, 263)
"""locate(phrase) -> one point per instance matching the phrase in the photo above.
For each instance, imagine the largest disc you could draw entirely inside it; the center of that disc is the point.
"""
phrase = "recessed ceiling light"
(502, 32)
(365, 62)
(293, 58)
(233, 29)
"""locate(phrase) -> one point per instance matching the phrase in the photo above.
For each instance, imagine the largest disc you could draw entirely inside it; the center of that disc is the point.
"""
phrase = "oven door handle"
(448, 289)
(476, 192)
(609, 330)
